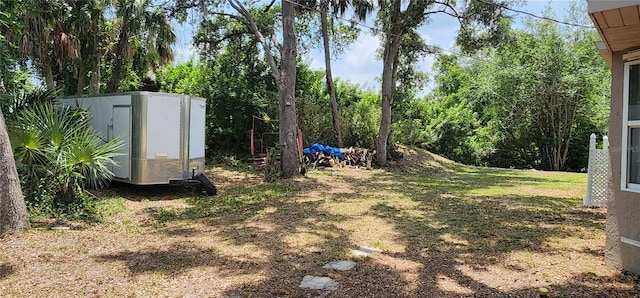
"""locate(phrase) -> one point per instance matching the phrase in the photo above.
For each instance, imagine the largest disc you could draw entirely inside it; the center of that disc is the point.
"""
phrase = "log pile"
(351, 157)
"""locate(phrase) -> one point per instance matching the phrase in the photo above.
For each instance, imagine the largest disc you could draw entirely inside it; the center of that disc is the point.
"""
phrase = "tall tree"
(284, 75)
(324, 19)
(398, 19)
(13, 211)
(144, 33)
(551, 87)
(43, 39)
(287, 93)
(334, 37)
(361, 8)
(88, 23)
(64, 41)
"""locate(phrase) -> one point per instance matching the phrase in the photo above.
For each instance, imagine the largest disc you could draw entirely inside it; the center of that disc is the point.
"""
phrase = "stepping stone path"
(365, 251)
(319, 283)
(340, 265)
(329, 285)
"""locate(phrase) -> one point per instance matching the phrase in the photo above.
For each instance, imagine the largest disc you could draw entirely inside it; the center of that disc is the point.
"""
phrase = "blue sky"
(359, 63)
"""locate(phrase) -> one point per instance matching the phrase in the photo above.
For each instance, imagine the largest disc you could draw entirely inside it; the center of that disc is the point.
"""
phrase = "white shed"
(164, 134)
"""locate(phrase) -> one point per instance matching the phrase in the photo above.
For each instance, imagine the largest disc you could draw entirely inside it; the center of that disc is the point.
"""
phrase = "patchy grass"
(446, 230)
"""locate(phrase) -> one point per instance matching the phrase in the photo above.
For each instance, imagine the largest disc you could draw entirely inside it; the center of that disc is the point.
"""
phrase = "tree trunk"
(94, 84)
(114, 83)
(120, 56)
(286, 96)
(330, 88)
(13, 211)
(48, 73)
(391, 49)
(82, 73)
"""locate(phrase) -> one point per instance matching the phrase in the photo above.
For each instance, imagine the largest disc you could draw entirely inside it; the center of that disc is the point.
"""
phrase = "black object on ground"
(206, 184)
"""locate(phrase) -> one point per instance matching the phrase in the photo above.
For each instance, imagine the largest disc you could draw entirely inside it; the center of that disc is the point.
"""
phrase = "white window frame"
(626, 128)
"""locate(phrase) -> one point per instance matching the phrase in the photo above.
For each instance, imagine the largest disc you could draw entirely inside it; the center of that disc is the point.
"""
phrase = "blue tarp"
(322, 148)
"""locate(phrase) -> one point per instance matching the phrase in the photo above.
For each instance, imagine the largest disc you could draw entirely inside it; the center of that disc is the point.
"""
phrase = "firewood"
(352, 157)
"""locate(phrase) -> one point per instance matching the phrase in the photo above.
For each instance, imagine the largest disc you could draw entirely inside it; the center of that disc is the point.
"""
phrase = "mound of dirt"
(415, 160)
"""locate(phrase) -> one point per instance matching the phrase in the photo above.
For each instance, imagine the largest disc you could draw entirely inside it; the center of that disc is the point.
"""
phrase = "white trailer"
(163, 134)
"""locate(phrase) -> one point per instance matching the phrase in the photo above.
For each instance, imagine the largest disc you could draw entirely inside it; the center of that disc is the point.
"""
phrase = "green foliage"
(482, 23)
(235, 81)
(185, 78)
(359, 111)
(556, 90)
(77, 45)
(446, 126)
(13, 76)
(532, 103)
(313, 106)
(58, 155)
(236, 91)
(446, 121)
(23, 97)
(43, 199)
(143, 38)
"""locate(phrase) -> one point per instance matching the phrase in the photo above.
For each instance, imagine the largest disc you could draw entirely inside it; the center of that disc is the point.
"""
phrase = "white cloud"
(316, 64)
(358, 64)
(363, 51)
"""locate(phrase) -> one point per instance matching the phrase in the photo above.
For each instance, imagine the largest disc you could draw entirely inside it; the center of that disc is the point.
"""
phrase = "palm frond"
(28, 146)
(92, 160)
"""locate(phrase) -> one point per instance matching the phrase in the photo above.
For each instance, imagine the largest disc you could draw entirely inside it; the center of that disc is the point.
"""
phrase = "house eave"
(617, 22)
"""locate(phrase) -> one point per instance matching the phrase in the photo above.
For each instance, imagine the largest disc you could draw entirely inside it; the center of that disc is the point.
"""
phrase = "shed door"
(122, 129)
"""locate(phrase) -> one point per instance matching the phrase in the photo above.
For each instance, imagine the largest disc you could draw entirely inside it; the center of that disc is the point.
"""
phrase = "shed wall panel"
(163, 127)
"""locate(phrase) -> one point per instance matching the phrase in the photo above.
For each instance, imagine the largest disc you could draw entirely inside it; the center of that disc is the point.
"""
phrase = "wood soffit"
(619, 28)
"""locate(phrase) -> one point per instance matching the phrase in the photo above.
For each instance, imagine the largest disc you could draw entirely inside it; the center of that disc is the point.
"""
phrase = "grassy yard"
(446, 230)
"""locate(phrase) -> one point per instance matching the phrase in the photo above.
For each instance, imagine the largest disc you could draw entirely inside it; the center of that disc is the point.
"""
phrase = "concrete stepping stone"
(340, 265)
(364, 251)
(319, 283)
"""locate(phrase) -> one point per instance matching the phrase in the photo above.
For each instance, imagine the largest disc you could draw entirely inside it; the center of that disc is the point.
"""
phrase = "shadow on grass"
(241, 202)
(268, 216)
(175, 260)
(6, 270)
(372, 279)
(454, 220)
(150, 192)
(453, 228)
(447, 221)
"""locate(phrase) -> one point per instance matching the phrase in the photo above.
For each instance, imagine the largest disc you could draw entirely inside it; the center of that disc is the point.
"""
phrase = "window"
(631, 128)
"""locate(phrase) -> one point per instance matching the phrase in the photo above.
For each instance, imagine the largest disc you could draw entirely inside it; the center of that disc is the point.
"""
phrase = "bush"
(360, 117)
(58, 156)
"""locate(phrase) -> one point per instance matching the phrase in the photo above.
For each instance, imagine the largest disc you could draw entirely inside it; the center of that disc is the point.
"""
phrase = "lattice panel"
(599, 175)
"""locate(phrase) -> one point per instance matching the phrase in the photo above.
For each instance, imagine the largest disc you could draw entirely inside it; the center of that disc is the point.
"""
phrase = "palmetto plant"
(55, 146)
